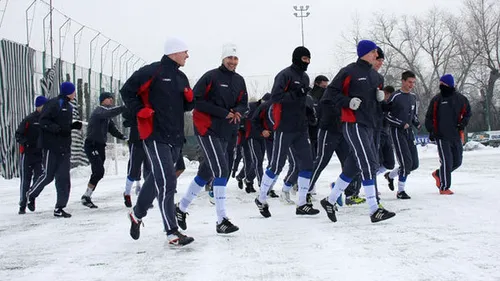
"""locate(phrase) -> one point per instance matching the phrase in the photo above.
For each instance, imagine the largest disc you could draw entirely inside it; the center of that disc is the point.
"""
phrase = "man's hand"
(406, 126)
(266, 133)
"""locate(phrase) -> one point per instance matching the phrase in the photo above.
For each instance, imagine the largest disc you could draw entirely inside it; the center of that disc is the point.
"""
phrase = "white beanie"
(174, 45)
(229, 50)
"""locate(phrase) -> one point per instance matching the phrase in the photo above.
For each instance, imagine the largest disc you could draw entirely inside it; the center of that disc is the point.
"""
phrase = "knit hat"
(40, 100)
(448, 80)
(365, 46)
(380, 53)
(229, 50)
(67, 88)
(297, 55)
(174, 45)
(105, 95)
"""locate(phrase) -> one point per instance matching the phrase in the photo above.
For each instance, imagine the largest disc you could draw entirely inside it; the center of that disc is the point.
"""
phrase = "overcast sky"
(266, 32)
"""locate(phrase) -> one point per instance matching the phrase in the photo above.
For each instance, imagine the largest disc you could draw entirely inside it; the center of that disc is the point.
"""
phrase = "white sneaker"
(285, 197)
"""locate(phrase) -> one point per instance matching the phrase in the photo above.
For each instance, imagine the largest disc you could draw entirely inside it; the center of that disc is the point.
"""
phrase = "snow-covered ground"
(432, 237)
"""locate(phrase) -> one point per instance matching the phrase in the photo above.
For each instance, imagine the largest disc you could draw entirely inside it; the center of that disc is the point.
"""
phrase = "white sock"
(128, 186)
(286, 188)
(303, 189)
(401, 186)
(220, 202)
(266, 184)
(338, 188)
(371, 198)
(394, 173)
(381, 170)
(88, 193)
(191, 193)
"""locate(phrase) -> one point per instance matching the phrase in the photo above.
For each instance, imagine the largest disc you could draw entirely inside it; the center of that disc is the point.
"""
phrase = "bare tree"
(483, 17)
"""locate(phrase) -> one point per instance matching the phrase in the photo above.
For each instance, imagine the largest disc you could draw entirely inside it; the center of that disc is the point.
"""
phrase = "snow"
(432, 237)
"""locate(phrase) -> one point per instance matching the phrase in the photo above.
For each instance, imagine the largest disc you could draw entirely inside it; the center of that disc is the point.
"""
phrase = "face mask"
(446, 91)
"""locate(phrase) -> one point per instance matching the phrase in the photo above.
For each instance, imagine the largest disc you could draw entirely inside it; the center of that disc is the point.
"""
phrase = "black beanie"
(298, 53)
(380, 53)
(105, 95)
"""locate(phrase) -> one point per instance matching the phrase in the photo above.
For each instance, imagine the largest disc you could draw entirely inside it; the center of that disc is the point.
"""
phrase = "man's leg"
(63, 183)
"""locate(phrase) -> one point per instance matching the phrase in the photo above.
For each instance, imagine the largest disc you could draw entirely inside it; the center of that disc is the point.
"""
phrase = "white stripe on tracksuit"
(42, 177)
(163, 214)
(291, 161)
(278, 138)
(358, 157)
(399, 151)
(321, 152)
(255, 160)
(442, 174)
(206, 156)
(216, 158)
(131, 158)
(22, 175)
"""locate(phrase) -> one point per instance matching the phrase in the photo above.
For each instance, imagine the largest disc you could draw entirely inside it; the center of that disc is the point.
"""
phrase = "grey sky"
(266, 32)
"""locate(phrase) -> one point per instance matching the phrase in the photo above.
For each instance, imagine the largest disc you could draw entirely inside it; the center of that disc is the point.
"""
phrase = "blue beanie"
(40, 100)
(67, 88)
(365, 46)
(105, 95)
(448, 80)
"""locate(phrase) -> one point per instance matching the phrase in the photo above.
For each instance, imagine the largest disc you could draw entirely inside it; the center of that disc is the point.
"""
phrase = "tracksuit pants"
(161, 184)
(97, 155)
(450, 156)
(406, 151)
(31, 169)
(56, 165)
(137, 157)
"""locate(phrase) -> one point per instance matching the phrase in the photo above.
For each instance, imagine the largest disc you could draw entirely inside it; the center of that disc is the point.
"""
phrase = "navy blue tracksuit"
(217, 93)
(259, 146)
(56, 125)
(403, 111)
(361, 81)
(289, 119)
(27, 135)
(448, 114)
(159, 94)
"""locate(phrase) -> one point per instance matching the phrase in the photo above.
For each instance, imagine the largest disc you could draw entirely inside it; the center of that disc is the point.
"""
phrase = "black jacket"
(289, 100)
(218, 92)
(358, 80)
(166, 95)
(55, 121)
(27, 134)
(312, 116)
(403, 110)
(261, 120)
(100, 124)
(445, 114)
(329, 117)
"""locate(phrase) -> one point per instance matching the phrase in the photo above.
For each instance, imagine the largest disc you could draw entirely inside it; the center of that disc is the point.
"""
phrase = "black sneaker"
(179, 239)
(381, 214)
(390, 181)
(181, 217)
(60, 213)
(240, 183)
(306, 209)
(329, 208)
(135, 226)
(127, 200)
(403, 195)
(226, 227)
(22, 210)
(87, 202)
(31, 204)
(272, 194)
(249, 187)
(263, 208)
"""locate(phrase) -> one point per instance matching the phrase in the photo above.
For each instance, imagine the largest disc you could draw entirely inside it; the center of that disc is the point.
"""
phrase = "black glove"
(460, 127)
(432, 137)
(77, 125)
